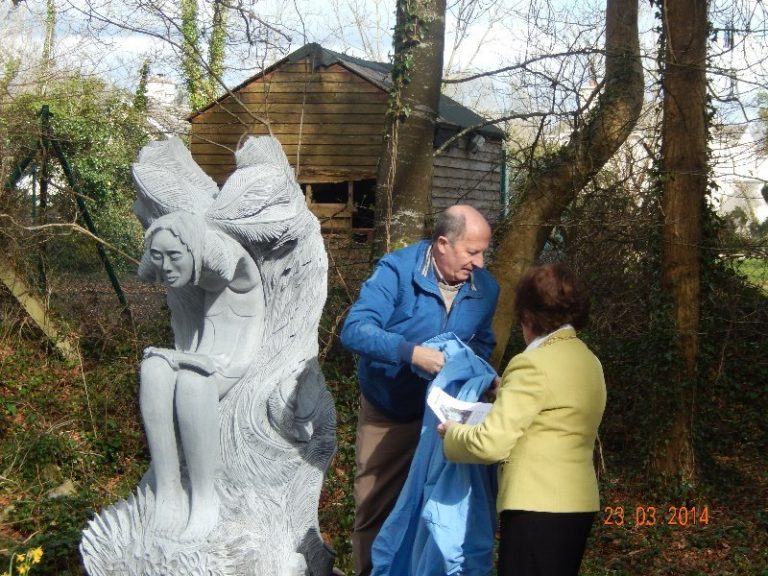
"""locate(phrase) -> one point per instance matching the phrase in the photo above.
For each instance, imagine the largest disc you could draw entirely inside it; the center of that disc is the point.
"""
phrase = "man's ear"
(442, 244)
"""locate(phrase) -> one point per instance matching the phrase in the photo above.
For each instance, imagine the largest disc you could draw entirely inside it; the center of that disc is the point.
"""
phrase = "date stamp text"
(648, 516)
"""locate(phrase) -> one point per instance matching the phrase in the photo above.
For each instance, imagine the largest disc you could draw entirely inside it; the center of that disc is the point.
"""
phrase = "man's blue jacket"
(401, 306)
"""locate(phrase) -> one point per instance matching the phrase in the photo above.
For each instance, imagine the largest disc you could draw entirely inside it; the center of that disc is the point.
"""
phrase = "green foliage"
(191, 54)
(50, 31)
(337, 509)
(762, 100)
(217, 46)
(749, 237)
(754, 270)
(72, 439)
(409, 32)
(100, 133)
(10, 71)
(202, 77)
(140, 98)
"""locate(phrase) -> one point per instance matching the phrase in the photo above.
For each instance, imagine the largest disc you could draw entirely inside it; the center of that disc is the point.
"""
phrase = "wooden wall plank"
(341, 174)
(232, 139)
(298, 86)
(491, 157)
(206, 152)
(491, 196)
(208, 162)
(313, 98)
(297, 107)
(360, 104)
(466, 170)
(321, 75)
(310, 175)
(296, 117)
(483, 184)
(307, 129)
(340, 151)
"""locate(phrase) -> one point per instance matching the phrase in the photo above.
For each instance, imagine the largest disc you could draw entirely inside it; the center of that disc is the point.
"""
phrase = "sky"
(359, 27)
(481, 35)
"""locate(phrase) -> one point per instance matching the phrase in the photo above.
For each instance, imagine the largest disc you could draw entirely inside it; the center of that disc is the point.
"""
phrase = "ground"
(72, 443)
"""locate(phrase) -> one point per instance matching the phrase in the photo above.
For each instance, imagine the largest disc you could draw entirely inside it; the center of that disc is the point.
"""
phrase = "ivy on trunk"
(404, 180)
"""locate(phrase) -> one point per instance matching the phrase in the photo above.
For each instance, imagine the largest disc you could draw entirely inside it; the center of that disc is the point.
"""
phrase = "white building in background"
(167, 108)
(162, 90)
(740, 169)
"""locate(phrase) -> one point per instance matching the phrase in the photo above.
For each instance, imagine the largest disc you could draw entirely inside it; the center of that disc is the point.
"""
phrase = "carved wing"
(261, 199)
(167, 179)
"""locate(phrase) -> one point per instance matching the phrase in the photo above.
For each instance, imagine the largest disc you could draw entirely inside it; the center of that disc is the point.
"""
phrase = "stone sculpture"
(239, 423)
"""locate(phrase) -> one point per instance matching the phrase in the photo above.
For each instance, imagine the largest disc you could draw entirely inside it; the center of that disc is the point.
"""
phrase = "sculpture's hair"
(549, 296)
(209, 249)
(451, 224)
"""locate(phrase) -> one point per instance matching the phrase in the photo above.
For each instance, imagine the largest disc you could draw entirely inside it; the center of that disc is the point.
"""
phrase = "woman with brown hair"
(542, 429)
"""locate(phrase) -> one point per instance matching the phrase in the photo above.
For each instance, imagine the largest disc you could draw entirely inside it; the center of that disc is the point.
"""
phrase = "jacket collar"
(565, 332)
(424, 274)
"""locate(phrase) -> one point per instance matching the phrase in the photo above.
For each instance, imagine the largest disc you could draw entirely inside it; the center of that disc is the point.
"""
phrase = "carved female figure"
(217, 314)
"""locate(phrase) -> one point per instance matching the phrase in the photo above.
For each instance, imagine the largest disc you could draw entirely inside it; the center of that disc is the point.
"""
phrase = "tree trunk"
(684, 177)
(63, 341)
(549, 190)
(404, 180)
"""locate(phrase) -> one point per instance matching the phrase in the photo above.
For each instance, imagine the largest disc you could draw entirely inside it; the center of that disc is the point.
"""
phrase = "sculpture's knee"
(190, 384)
(156, 387)
(154, 367)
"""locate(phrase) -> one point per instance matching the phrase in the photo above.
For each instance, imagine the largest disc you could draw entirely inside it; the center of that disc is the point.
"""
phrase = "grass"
(755, 270)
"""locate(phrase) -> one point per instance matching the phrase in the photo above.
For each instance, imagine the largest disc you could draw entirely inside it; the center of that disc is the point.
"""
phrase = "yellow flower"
(22, 569)
(21, 557)
(37, 554)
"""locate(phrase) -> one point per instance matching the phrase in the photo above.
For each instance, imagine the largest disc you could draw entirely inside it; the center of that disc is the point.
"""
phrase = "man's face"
(457, 259)
(172, 259)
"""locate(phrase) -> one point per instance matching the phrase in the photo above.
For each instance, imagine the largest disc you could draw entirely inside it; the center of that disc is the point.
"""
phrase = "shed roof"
(450, 112)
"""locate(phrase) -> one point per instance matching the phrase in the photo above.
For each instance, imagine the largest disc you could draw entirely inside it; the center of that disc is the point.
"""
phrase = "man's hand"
(428, 359)
(490, 394)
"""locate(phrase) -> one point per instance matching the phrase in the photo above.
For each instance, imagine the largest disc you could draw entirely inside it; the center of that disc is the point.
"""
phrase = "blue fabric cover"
(445, 518)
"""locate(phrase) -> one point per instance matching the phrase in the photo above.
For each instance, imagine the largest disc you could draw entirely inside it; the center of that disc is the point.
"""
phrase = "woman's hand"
(443, 428)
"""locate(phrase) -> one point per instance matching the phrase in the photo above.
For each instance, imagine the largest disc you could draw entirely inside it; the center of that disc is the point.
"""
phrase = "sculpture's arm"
(177, 360)
(215, 367)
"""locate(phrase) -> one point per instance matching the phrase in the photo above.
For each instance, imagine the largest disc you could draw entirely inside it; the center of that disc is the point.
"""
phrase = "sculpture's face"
(171, 258)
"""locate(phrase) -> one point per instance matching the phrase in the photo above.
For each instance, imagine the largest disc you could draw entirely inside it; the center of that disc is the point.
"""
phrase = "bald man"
(426, 289)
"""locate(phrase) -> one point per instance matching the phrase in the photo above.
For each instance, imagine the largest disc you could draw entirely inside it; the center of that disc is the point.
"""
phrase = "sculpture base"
(268, 491)
(120, 541)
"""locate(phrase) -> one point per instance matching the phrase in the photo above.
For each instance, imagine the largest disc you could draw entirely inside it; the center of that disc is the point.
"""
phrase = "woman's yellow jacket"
(542, 429)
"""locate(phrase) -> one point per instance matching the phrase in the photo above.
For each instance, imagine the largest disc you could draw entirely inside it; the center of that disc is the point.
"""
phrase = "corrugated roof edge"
(450, 112)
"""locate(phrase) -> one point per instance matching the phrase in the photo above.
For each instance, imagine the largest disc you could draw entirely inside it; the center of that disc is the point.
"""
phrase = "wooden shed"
(327, 110)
